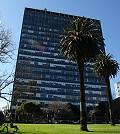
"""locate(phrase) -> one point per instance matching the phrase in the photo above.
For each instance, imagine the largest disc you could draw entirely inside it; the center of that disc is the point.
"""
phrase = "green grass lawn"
(66, 129)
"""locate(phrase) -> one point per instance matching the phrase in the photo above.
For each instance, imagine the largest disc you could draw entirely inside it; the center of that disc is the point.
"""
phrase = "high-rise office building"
(42, 74)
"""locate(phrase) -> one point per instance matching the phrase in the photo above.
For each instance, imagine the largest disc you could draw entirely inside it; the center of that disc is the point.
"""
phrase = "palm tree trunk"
(110, 101)
(83, 113)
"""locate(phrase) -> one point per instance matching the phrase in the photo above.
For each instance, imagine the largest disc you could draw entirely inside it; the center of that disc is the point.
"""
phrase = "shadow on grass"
(90, 131)
(31, 133)
(107, 132)
(111, 132)
(99, 132)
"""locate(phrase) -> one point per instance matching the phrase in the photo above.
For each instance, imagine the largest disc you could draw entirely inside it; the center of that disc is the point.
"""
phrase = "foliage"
(59, 110)
(75, 111)
(81, 41)
(116, 108)
(29, 107)
(2, 118)
(106, 66)
(102, 108)
(28, 110)
(58, 105)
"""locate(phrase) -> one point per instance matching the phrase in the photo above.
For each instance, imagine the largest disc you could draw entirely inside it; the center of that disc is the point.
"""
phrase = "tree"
(102, 108)
(6, 51)
(106, 67)
(6, 44)
(59, 110)
(116, 109)
(5, 81)
(75, 111)
(28, 111)
(2, 118)
(80, 44)
(101, 112)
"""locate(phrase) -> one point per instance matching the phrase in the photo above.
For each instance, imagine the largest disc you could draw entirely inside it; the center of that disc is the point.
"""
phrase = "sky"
(107, 11)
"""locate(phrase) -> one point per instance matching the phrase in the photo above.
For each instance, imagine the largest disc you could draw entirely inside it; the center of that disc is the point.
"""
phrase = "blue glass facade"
(42, 74)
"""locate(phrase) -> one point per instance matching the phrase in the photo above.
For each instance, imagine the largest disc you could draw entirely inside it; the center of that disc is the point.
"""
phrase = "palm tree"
(80, 44)
(106, 67)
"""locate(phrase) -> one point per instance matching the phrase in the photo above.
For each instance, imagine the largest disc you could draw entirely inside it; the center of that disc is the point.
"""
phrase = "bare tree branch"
(6, 44)
(4, 98)
(5, 81)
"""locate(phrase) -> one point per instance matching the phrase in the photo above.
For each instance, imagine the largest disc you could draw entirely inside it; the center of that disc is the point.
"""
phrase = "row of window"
(54, 97)
(33, 29)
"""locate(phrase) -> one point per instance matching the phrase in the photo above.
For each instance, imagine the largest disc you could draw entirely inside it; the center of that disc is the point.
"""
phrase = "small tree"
(58, 110)
(75, 111)
(29, 110)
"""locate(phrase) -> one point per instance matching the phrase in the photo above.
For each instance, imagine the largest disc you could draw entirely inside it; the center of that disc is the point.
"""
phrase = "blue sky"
(107, 11)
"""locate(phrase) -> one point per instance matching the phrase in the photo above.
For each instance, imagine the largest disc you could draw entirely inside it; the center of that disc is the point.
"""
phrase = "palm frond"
(83, 40)
(105, 65)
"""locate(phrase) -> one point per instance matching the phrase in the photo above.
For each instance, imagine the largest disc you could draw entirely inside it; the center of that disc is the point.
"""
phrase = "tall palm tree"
(106, 67)
(80, 44)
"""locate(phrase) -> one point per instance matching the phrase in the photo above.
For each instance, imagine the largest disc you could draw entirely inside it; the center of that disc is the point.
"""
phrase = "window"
(41, 32)
(37, 94)
(30, 31)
